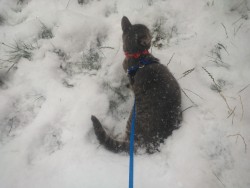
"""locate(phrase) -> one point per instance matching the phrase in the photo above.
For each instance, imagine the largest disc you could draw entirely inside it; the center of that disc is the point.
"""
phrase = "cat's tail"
(107, 141)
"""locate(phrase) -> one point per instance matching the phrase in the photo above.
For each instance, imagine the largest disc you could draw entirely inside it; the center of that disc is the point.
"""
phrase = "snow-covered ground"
(60, 62)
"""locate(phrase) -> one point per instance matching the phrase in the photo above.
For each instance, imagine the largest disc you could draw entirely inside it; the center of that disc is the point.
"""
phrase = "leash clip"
(141, 66)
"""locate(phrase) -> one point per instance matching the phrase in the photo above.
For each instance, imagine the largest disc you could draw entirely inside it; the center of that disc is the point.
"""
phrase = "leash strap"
(131, 149)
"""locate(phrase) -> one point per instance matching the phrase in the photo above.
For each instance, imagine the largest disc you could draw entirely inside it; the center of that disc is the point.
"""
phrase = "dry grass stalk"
(225, 29)
(218, 89)
(188, 97)
(106, 47)
(170, 59)
(233, 118)
(232, 112)
(210, 75)
(242, 17)
(242, 109)
(224, 98)
(214, 59)
(194, 93)
(243, 88)
(239, 135)
(222, 46)
(219, 179)
(184, 74)
(236, 30)
(17, 51)
(187, 108)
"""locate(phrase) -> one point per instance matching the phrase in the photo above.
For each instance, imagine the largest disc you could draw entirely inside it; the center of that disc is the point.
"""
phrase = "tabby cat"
(157, 95)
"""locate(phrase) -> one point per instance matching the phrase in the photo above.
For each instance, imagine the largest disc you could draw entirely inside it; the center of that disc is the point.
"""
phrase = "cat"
(157, 95)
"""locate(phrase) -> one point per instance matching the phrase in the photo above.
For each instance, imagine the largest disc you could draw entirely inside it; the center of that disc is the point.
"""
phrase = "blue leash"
(131, 71)
(131, 149)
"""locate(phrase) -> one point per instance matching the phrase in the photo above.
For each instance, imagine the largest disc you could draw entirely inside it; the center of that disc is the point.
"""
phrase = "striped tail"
(107, 141)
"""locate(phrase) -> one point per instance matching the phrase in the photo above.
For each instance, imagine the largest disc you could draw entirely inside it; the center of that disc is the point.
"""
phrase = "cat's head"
(135, 37)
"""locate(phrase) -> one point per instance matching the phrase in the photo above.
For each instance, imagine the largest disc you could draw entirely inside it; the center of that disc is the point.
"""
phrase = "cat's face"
(135, 37)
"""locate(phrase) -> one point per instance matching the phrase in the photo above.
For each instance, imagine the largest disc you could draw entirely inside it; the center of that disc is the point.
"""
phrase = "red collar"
(137, 54)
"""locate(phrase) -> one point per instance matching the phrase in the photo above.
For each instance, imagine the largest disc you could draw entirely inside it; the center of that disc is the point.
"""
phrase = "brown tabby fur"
(157, 96)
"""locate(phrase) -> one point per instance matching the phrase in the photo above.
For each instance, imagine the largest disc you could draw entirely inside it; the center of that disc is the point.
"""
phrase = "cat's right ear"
(126, 25)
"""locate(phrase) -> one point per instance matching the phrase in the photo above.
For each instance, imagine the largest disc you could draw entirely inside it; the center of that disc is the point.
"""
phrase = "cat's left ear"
(126, 25)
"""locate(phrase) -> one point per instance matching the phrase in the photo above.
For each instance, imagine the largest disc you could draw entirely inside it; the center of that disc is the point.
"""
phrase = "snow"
(73, 70)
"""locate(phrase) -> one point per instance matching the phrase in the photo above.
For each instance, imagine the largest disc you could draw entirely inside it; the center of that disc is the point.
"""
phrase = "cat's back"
(155, 79)
(158, 94)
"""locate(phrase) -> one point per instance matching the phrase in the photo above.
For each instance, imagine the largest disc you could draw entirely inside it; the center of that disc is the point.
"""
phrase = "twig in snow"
(11, 67)
(243, 88)
(236, 31)
(231, 112)
(242, 109)
(236, 21)
(224, 98)
(188, 97)
(210, 75)
(170, 59)
(221, 45)
(219, 179)
(217, 87)
(187, 108)
(242, 17)
(7, 45)
(239, 135)
(233, 118)
(225, 29)
(186, 73)
(107, 47)
(194, 93)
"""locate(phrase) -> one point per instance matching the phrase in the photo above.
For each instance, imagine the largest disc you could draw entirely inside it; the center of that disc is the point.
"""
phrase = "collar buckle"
(141, 66)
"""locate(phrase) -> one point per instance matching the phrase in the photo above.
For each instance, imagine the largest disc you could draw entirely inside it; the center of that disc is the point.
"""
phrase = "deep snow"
(71, 68)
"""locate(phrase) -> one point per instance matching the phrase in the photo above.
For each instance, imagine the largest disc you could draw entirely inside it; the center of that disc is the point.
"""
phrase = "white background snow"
(69, 66)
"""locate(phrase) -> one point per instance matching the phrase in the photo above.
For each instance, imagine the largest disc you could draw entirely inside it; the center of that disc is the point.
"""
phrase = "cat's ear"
(126, 25)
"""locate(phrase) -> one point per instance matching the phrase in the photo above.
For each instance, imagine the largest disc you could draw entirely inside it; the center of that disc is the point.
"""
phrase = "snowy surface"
(71, 68)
